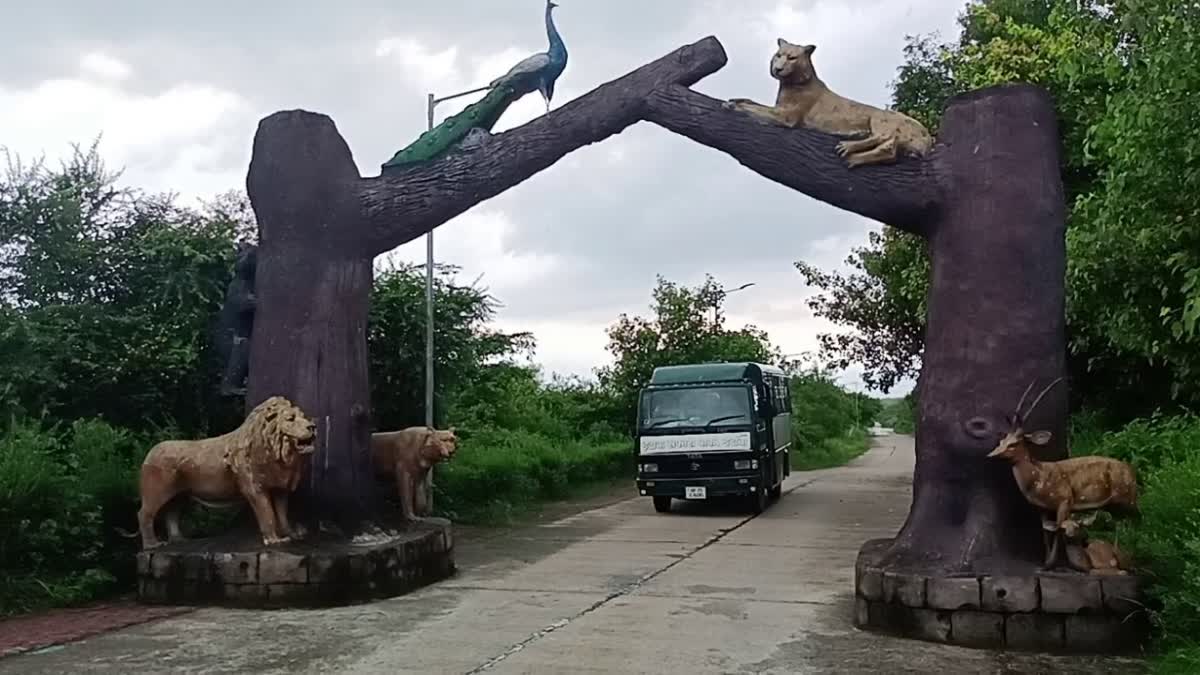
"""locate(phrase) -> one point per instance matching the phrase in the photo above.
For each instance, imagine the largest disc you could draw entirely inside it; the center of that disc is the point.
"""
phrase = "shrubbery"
(496, 473)
(1165, 540)
(828, 422)
(63, 493)
(899, 414)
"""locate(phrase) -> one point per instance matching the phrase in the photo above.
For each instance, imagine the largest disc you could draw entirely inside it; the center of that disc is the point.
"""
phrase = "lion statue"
(406, 456)
(261, 462)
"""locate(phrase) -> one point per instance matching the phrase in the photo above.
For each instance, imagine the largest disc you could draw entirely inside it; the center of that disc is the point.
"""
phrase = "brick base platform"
(237, 570)
(1044, 611)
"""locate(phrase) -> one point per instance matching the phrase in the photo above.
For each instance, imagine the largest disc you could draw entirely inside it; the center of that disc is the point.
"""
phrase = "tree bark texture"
(995, 324)
(309, 339)
(903, 195)
(988, 198)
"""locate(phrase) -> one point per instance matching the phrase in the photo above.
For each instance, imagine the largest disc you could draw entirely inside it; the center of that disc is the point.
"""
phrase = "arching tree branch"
(381, 213)
(903, 194)
(404, 204)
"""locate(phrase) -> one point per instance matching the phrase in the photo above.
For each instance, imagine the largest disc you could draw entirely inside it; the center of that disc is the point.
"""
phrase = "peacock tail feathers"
(483, 114)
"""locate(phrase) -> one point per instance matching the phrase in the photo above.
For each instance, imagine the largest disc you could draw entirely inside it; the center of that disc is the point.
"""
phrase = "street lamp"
(428, 484)
(725, 292)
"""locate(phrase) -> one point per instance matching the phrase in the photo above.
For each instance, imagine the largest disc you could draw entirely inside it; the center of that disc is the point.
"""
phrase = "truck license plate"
(695, 492)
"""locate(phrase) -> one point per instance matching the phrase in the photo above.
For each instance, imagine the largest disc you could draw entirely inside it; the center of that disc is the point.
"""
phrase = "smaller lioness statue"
(874, 135)
(406, 456)
(261, 462)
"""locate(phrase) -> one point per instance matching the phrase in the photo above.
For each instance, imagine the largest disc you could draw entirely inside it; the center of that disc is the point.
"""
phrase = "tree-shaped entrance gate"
(988, 199)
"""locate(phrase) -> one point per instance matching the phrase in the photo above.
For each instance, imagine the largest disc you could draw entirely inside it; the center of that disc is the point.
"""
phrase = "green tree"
(883, 300)
(868, 408)
(107, 296)
(1120, 75)
(687, 326)
(465, 345)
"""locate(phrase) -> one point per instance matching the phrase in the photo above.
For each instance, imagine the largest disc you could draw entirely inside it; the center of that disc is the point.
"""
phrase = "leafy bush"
(898, 414)
(820, 409)
(50, 525)
(827, 422)
(1153, 443)
(498, 472)
(1165, 540)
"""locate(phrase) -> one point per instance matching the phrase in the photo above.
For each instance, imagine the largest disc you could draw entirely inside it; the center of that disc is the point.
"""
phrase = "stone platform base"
(1042, 611)
(236, 570)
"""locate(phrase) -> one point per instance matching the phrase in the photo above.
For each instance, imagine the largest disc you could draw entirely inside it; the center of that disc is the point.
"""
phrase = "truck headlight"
(649, 468)
(743, 464)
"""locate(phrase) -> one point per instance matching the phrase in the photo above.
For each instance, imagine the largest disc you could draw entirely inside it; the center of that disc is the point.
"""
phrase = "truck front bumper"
(713, 486)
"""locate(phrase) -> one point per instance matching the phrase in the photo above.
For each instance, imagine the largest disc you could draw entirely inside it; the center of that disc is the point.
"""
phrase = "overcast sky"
(177, 88)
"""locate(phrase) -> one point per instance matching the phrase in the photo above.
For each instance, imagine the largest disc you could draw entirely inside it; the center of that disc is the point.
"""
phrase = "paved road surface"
(619, 589)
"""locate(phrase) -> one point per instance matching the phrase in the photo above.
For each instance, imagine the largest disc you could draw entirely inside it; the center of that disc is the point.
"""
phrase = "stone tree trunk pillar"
(314, 280)
(996, 323)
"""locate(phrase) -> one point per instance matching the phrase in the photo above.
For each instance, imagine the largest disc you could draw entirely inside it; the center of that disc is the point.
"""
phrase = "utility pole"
(427, 486)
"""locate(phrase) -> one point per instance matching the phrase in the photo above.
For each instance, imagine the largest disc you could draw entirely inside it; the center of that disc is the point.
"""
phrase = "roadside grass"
(830, 452)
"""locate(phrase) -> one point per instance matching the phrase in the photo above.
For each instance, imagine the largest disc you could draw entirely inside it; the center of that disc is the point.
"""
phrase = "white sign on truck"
(662, 445)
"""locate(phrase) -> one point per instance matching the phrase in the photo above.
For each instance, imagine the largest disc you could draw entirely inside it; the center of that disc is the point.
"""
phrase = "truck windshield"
(695, 407)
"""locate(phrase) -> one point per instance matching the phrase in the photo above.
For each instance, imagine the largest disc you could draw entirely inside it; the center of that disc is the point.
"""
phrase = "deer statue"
(1082, 553)
(1066, 486)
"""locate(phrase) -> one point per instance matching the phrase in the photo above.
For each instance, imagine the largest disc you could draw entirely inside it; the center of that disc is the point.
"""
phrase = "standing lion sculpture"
(261, 461)
(406, 456)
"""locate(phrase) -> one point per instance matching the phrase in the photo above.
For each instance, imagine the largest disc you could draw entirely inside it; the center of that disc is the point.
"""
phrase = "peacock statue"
(535, 73)
(540, 71)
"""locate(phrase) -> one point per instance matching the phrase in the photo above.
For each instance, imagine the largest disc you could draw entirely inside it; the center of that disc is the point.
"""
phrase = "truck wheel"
(662, 504)
(777, 492)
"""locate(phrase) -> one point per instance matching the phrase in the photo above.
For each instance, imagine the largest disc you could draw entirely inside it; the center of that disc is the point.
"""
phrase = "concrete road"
(618, 589)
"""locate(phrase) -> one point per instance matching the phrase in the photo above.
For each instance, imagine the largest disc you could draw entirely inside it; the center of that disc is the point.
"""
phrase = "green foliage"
(898, 414)
(832, 452)
(687, 327)
(1165, 540)
(496, 474)
(883, 299)
(1123, 78)
(1179, 661)
(867, 409)
(396, 340)
(110, 287)
(52, 538)
(1150, 443)
(510, 396)
(1135, 252)
(828, 422)
(820, 409)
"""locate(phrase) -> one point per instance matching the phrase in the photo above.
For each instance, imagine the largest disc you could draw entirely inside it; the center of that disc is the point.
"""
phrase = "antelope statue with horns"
(1066, 486)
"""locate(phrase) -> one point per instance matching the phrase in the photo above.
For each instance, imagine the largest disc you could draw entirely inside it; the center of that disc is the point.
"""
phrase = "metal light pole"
(725, 292)
(427, 487)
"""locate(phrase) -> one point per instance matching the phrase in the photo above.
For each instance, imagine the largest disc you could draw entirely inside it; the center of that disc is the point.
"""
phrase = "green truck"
(714, 430)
